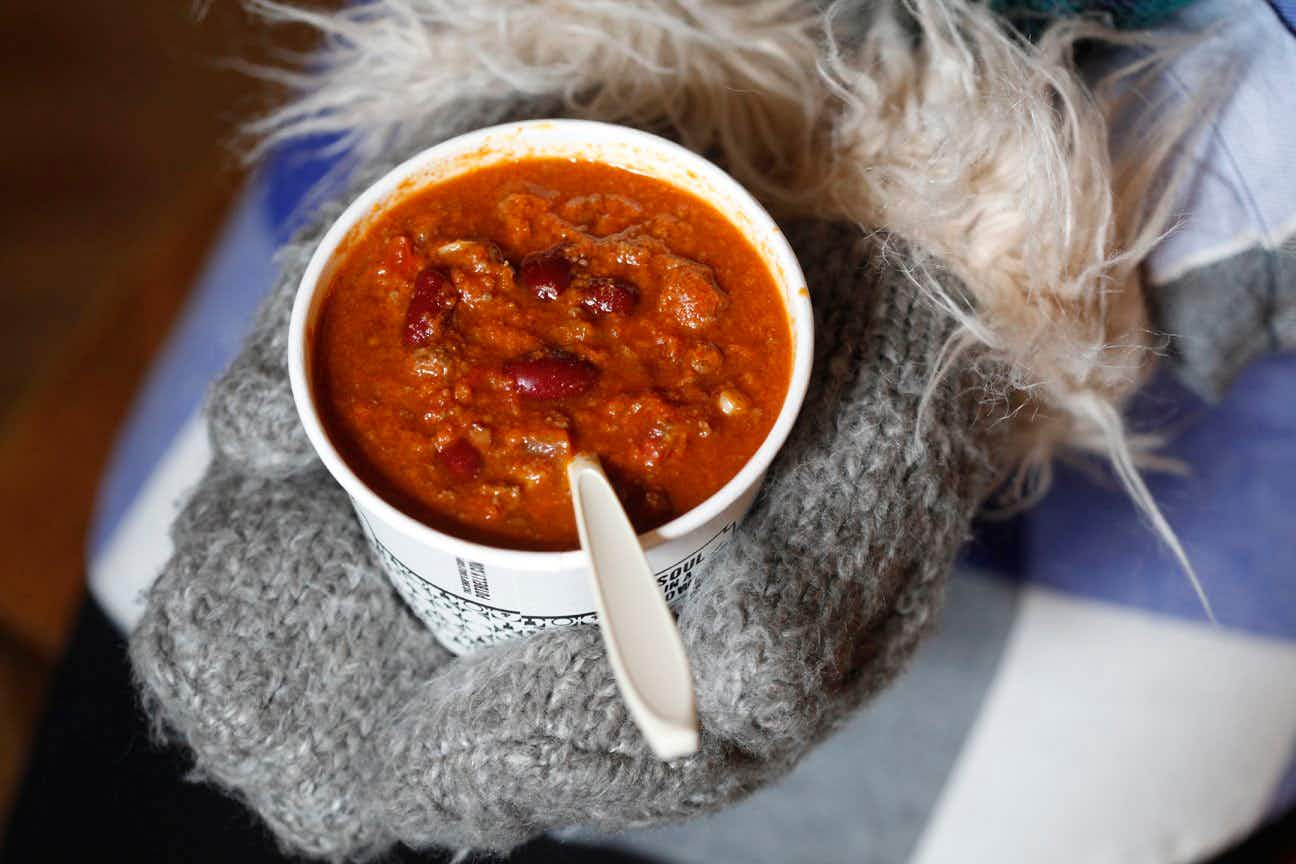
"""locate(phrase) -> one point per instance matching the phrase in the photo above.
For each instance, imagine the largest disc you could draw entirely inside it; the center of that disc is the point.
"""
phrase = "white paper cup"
(472, 595)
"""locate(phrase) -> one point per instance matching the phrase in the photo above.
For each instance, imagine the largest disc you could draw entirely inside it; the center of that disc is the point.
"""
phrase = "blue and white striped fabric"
(1287, 11)
(1074, 706)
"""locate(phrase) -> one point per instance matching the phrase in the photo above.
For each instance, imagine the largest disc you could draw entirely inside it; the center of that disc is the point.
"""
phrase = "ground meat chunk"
(690, 293)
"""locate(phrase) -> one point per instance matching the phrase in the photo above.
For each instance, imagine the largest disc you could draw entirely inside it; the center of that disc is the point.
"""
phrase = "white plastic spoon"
(638, 629)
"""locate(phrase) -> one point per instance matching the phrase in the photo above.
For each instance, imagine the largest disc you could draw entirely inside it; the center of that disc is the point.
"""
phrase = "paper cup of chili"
(524, 292)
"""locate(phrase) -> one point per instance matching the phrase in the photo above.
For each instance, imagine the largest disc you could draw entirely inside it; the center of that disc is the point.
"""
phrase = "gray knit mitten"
(276, 651)
(1222, 316)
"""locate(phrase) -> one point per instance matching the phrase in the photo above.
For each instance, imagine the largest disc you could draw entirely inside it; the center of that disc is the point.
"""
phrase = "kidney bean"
(546, 274)
(607, 296)
(551, 376)
(462, 460)
(429, 306)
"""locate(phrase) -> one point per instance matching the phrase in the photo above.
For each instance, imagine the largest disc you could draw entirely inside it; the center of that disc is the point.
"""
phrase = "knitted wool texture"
(275, 650)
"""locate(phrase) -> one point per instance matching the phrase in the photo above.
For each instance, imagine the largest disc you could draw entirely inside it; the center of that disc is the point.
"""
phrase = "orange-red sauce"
(457, 375)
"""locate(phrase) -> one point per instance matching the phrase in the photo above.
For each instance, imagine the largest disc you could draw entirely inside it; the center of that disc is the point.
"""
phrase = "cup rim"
(530, 136)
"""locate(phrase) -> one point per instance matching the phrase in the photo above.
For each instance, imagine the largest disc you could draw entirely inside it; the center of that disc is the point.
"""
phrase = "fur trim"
(990, 156)
(926, 120)
(738, 78)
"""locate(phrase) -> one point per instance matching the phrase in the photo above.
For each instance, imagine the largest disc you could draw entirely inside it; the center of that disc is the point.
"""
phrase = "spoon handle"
(639, 632)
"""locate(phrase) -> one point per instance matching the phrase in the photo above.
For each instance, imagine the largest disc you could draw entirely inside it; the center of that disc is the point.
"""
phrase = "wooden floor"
(116, 168)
